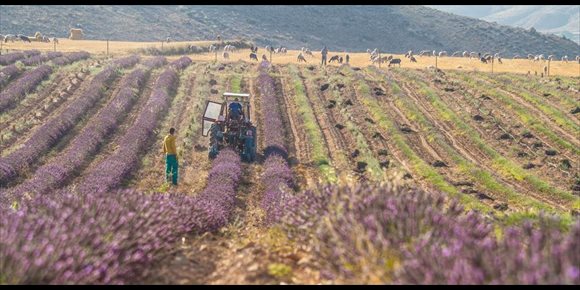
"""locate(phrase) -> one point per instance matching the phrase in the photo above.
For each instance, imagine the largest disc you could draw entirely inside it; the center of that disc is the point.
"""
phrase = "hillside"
(556, 19)
(391, 28)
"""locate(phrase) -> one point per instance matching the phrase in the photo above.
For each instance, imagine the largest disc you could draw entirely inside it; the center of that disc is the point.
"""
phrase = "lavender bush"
(10, 96)
(16, 56)
(155, 61)
(90, 239)
(181, 63)
(70, 58)
(365, 231)
(8, 73)
(55, 128)
(41, 58)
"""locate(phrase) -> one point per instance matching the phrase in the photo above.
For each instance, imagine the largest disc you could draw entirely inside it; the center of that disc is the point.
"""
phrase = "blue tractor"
(228, 124)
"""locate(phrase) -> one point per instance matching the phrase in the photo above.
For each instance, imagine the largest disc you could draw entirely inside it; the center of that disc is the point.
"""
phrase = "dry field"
(519, 66)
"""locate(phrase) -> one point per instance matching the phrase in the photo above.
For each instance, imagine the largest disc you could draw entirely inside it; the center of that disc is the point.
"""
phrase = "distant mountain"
(556, 19)
(354, 28)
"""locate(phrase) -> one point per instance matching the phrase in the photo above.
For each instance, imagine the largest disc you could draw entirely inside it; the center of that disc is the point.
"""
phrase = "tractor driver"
(235, 110)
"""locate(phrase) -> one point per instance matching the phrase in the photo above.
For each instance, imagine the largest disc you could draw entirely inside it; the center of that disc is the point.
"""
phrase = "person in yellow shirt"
(170, 157)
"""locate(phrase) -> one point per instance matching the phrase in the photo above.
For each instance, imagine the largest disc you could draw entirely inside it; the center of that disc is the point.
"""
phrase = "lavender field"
(363, 175)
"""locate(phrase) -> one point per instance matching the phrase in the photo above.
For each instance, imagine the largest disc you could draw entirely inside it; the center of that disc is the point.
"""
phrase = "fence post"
(435, 62)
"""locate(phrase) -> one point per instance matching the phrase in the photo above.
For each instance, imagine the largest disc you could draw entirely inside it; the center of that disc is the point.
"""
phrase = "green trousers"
(171, 168)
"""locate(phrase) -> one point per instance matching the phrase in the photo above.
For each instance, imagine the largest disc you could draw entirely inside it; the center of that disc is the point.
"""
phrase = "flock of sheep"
(19, 37)
(375, 57)
(485, 58)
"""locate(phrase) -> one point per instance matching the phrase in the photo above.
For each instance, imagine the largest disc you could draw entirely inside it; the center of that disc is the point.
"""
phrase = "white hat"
(221, 118)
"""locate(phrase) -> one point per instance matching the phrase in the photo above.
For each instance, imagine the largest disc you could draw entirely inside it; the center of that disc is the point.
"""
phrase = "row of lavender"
(15, 91)
(94, 237)
(12, 71)
(54, 129)
(70, 58)
(16, 56)
(8, 73)
(215, 205)
(41, 58)
(51, 175)
(366, 231)
(277, 177)
(110, 172)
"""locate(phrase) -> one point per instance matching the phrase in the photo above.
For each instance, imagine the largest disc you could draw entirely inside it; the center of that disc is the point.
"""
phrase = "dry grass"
(521, 66)
(95, 46)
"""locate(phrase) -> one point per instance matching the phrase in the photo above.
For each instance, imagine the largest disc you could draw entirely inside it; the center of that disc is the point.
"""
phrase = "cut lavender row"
(277, 177)
(16, 56)
(8, 73)
(41, 58)
(70, 58)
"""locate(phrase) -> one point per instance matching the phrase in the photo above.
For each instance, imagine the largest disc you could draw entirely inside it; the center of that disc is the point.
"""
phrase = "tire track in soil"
(460, 146)
(538, 114)
(44, 107)
(491, 131)
(111, 141)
